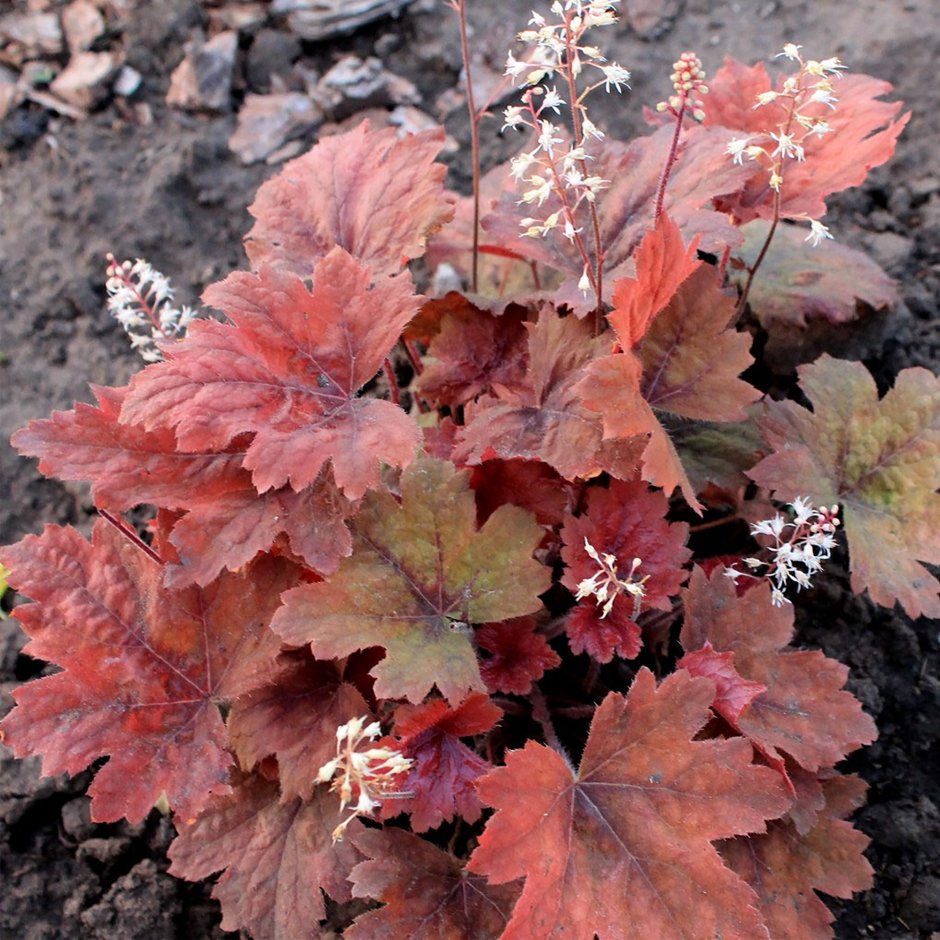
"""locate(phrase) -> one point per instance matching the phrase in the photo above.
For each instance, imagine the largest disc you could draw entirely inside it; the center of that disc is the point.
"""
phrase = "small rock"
(203, 80)
(273, 52)
(10, 93)
(30, 35)
(127, 82)
(83, 24)
(355, 84)
(86, 80)
(267, 122)
(240, 16)
(323, 19)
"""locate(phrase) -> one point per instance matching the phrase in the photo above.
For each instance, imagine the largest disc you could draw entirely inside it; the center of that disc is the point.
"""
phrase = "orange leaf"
(622, 848)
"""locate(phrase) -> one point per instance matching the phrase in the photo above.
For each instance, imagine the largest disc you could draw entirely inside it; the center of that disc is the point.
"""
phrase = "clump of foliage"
(369, 612)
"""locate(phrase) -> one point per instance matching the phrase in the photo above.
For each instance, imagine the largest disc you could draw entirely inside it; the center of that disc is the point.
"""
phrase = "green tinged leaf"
(419, 575)
(880, 460)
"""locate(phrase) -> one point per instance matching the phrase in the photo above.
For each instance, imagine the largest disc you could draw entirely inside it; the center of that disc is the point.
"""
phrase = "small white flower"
(817, 232)
(615, 75)
(737, 148)
(552, 100)
(791, 51)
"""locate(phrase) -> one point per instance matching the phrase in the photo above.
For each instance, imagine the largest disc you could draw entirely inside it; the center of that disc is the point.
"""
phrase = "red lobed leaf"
(472, 352)
(145, 669)
(531, 484)
(375, 195)
(622, 848)
(419, 575)
(786, 868)
(804, 711)
(518, 657)
(626, 520)
(427, 894)
(294, 717)
(686, 367)
(226, 521)
(288, 368)
(879, 460)
(545, 420)
(277, 855)
(444, 771)
(863, 135)
(732, 692)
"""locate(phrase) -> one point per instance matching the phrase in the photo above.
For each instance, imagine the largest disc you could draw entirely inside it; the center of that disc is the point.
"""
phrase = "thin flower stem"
(461, 7)
(570, 43)
(130, 535)
(667, 168)
(559, 191)
(714, 523)
(778, 171)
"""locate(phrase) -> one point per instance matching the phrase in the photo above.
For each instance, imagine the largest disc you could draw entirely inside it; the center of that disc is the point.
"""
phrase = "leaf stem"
(130, 535)
(542, 715)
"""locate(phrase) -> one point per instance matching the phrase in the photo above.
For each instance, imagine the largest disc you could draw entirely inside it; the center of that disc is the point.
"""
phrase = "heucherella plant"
(480, 521)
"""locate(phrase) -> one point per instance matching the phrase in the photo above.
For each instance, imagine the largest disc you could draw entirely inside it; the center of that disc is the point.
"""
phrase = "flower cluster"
(558, 164)
(805, 98)
(368, 775)
(139, 298)
(606, 585)
(688, 84)
(800, 546)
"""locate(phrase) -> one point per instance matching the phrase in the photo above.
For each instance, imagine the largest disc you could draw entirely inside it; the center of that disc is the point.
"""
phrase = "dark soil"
(173, 192)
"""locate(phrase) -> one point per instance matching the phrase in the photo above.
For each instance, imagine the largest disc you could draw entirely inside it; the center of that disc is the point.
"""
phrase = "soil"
(173, 192)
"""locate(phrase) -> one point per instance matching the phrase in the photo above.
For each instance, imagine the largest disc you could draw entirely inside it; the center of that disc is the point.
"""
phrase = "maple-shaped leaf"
(622, 848)
(627, 520)
(798, 283)
(879, 460)
(662, 263)
(531, 484)
(472, 352)
(368, 191)
(226, 522)
(545, 419)
(277, 855)
(419, 575)
(686, 367)
(733, 693)
(787, 868)
(145, 669)
(626, 209)
(229, 530)
(863, 134)
(804, 711)
(518, 655)
(288, 368)
(444, 771)
(294, 717)
(426, 893)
